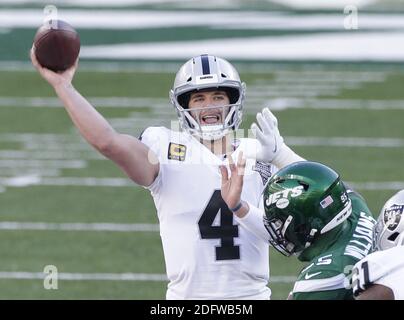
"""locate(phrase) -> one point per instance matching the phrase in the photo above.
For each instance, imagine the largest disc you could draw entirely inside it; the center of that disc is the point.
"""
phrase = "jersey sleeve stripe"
(333, 283)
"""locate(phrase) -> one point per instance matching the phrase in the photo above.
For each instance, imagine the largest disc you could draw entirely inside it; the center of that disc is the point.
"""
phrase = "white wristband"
(285, 157)
(254, 222)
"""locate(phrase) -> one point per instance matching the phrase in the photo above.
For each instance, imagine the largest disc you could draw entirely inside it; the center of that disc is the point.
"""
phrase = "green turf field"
(62, 204)
(45, 134)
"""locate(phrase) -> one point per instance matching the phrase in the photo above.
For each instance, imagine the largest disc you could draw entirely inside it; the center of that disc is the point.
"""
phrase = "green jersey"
(332, 256)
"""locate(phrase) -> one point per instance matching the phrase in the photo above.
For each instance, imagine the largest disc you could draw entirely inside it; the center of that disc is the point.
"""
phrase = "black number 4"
(226, 231)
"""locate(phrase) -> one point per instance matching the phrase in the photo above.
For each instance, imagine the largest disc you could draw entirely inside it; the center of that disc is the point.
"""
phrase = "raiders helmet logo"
(392, 216)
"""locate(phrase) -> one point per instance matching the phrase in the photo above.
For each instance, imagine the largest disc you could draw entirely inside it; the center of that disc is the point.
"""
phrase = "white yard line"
(23, 275)
(345, 142)
(121, 102)
(315, 71)
(13, 172)
(383, 31)
(57, 156)
(95, 3)
(319, 47)
(26, 163)
(36, 180)
(292, 102)
(248, 20)
(37, 149)
(275, 99)
(332, 76)
(105, 67)
(382, 185)
(47, 154)
(46, 226)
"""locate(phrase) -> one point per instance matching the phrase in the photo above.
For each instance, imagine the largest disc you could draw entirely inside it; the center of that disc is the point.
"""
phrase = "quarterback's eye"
(197, 99)
(219, 97)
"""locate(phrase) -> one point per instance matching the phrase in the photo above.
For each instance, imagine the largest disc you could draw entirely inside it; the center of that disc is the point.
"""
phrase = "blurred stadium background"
(337, 94)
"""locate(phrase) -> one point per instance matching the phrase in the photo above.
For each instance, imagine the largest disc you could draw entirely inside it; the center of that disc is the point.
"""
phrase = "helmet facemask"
(204, 73)
(276, 229)
(288, 238)
(229, 115)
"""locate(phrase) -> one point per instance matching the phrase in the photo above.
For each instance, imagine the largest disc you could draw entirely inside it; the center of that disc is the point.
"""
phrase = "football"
(57, 45)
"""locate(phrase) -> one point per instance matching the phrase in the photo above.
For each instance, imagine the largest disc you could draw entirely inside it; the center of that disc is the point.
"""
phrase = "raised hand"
(54, 78)
(232, 185)
(267, 134)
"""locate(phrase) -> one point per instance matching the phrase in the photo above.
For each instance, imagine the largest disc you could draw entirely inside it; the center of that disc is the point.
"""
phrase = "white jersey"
(207, 254)
(381, 267)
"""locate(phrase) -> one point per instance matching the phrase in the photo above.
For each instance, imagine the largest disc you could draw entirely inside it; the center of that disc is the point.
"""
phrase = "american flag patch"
(326, 202)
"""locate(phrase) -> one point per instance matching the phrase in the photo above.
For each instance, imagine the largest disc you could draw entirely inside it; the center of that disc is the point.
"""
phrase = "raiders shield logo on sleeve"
(392, 216)
(177, 151)
(264, 171)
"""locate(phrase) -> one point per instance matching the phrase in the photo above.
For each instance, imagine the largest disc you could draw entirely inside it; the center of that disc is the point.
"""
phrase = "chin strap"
(285, 157)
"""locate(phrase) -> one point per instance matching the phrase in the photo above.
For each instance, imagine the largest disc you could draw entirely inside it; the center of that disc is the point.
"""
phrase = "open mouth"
(210, 119)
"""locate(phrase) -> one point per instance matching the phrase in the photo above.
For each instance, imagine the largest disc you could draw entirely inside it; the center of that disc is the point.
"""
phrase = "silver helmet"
(202, 73)
(389, 229)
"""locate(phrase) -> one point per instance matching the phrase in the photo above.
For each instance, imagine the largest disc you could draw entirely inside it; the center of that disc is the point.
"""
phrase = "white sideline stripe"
(22, 275)
(118, 227)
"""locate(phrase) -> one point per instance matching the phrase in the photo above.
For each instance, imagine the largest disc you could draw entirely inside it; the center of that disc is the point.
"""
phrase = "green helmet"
(302, 201)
